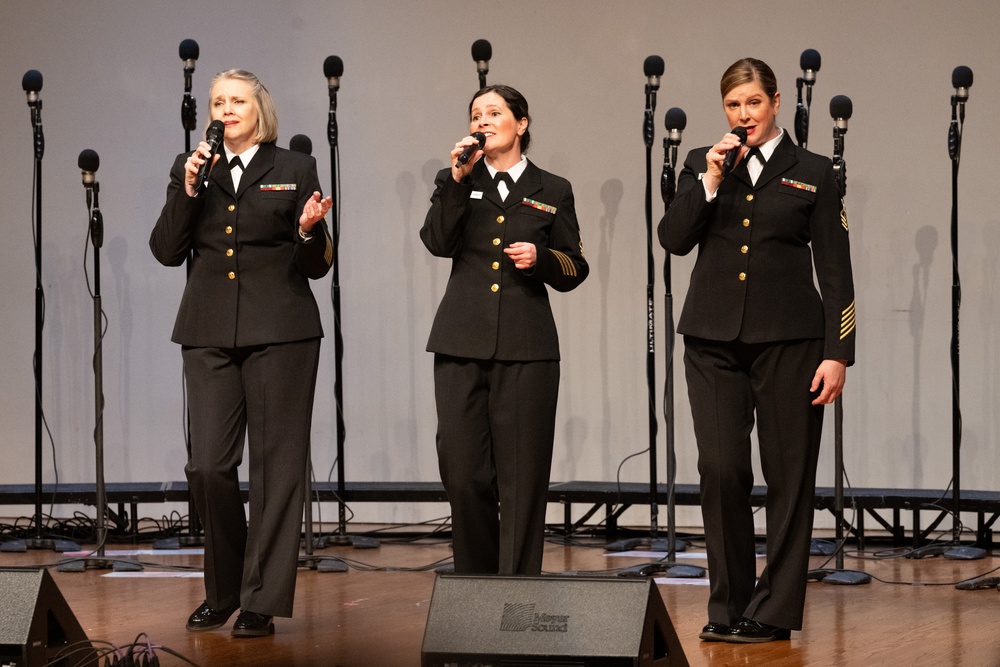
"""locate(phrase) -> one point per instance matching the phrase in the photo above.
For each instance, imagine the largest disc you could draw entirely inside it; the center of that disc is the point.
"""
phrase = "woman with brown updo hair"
(761, 345)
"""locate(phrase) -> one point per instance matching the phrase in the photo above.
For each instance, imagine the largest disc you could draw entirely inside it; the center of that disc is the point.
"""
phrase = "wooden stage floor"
(374, 614)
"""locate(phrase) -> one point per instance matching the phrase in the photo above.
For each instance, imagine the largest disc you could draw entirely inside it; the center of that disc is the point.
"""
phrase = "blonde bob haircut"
(267, 117)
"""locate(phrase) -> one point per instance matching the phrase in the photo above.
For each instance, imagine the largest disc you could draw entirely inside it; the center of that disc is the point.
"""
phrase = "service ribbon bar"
(277, 187)
(539, 205)
(798, 185)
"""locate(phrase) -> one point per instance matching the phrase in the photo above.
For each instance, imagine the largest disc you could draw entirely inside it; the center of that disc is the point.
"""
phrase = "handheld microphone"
(88, 162)
(31, 82)
(482, 51)
(733, 153)
(213, 137)
(333, 69)
(652, 67)
(189, 53)
(300, 143)
(469, 151)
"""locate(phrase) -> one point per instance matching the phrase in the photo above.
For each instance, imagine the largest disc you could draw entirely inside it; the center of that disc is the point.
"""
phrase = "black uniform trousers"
(496, 425)
(728, 382)
(265, 393)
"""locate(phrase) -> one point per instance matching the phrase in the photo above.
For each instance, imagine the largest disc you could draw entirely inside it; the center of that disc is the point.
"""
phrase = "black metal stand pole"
(97, 240)
(647, 136)
(955, 153)
(38, 140)
(332, 132)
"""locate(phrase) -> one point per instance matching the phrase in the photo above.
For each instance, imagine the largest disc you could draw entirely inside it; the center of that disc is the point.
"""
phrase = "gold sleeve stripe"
(843, 219)
(328, 253)
(847, 321)
(568, 267)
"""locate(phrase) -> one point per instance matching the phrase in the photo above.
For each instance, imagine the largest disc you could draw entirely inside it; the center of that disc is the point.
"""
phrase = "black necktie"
(756, 151)
(236, 162)
(503, 177)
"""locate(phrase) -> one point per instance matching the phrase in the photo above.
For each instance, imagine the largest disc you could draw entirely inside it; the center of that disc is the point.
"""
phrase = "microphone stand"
(667, 565)
(194, 538)
(341, 537)
(647, 136)
(955, 154)
(101, 502)
(37, 541)
(38, 141)
(97, 240)
(839, 575)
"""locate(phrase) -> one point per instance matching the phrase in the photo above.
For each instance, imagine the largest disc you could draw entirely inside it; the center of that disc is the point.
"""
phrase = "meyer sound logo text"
(522, 617)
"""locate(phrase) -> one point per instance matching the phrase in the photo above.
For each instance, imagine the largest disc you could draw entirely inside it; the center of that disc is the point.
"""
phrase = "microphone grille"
(961, 77)
(333, 67)
(88, 160)
(653, 66)
(675, 119)
(481, 50)
(188, 50)
(480, 137)
(810, 59)
(31, 82)
(216, 130)
(741, 133)
(841, 107)
(300, 143)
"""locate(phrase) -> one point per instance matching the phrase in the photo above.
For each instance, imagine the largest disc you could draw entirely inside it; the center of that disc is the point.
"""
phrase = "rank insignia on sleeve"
(277, 187)
(565, 262)
(847, 321)
(539, 205)
(798, 185)
(843, 219)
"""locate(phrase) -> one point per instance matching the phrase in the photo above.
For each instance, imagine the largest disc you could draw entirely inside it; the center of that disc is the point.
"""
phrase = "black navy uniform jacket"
(491, 309)
(757, 248)
(250, 270)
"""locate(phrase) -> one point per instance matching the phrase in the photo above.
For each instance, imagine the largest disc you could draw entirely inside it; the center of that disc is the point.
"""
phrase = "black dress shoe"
(714, 632)
(252, 624)
(206, 618)
(755, 632)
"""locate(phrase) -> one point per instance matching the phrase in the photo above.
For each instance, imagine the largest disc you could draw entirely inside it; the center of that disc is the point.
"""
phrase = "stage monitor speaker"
(37, 627)
(492, 621)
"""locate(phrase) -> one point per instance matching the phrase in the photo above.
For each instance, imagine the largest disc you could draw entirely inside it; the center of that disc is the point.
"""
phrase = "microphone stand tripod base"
(842, 577)
(84, 564)
(356, 541)
(175, 543)
(670, 570)
(659, 544)
(18, 546)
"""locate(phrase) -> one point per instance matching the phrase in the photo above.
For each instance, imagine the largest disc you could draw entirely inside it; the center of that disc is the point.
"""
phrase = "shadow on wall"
(611, 196)
(925, 242)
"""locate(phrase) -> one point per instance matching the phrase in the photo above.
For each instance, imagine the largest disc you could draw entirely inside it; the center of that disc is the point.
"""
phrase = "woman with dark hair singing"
(510, 230)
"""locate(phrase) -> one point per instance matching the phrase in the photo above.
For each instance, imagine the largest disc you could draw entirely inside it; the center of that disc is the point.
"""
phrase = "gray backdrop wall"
(113, 83)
